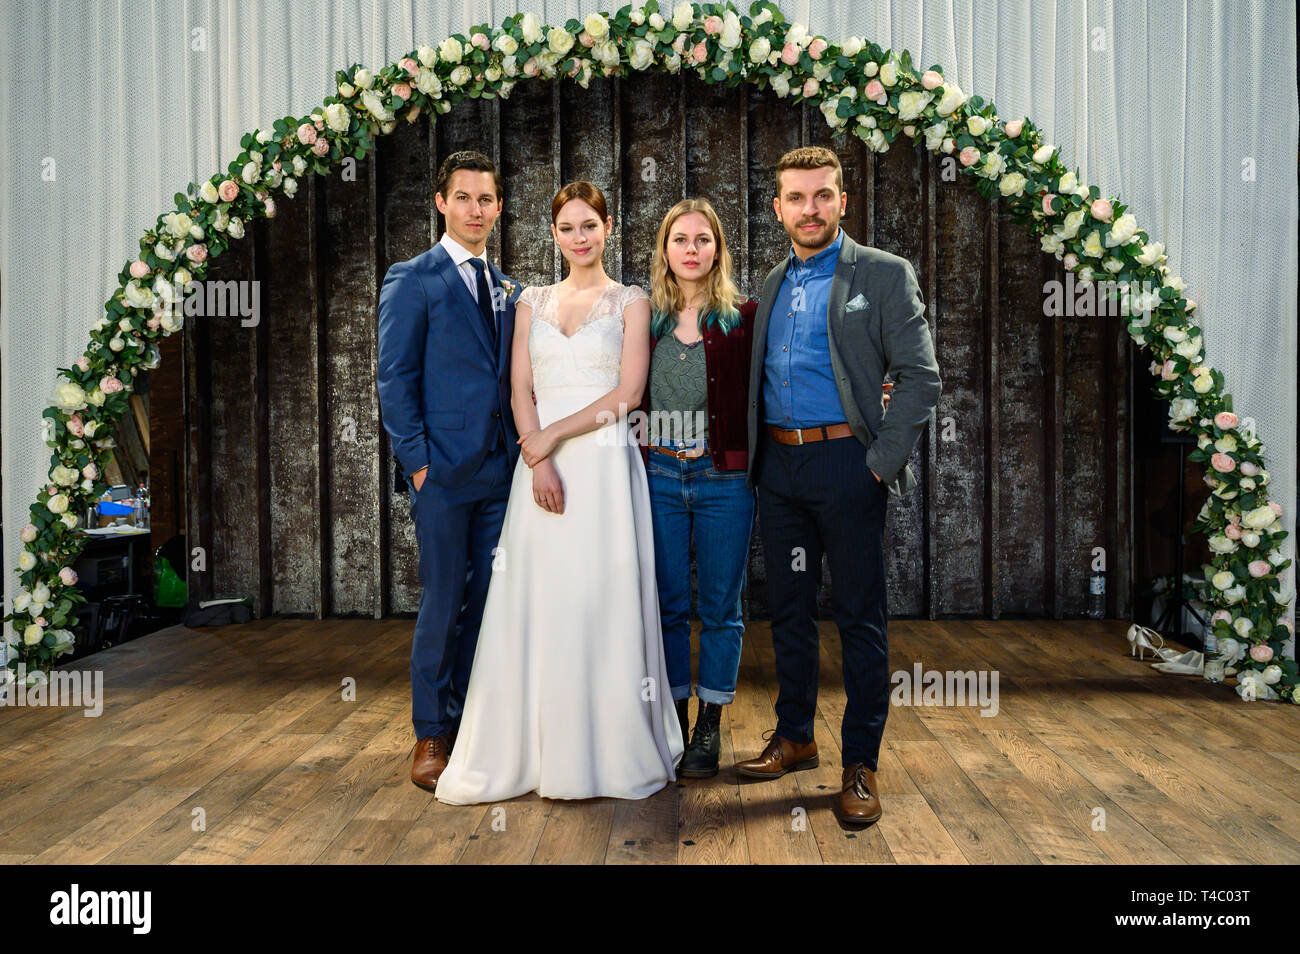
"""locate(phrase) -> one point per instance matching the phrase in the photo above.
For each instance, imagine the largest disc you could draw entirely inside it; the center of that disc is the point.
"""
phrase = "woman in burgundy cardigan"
(694, 440)
(695, 447)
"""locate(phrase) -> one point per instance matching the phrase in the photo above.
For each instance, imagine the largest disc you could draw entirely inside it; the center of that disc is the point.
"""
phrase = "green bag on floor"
(168, 588)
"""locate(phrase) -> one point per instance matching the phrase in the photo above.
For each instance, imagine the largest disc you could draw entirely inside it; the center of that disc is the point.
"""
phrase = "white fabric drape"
(1164, 103)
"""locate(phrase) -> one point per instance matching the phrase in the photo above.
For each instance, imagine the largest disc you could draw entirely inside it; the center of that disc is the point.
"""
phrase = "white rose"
(683, 14)
(797, 34)
(1220, 543)
(759, 50)
(851, 47)
(91, 427)
(1112, 265)
(637, 16)
(299, 165)
(952, 98)
(596, 25)
(912, 103)
(336, 117)
(1053, 244)
(250, 172)
(1183, 409)
(69, 396)
(1222, 580)
(427, 82)
(208, 192)
(375, 106)
(1234, 594)
(730, 37)
(781, 85)
(56, 504)
(993, 165)
(1122, 230)
(427, 55)
(1151, 253)
(290, 186)
(33, 634)
(1044, 153)
(460, 76)
(506, 45)
(68, 519)
(364, 78)
(1092, 245)
(935, 135)
(1067, 184)
(1013, 183)
(236, 230)
(656, 22)
(642, 55)
(136, 296)
(1070, 224)
(63, 475)
(871, 69)
(559, 40)
(976, 125)
(25, 562)
(1271, 675)
(876, 141)
(1202, 384)
(451, 50)
(531, 27)
(889, 74)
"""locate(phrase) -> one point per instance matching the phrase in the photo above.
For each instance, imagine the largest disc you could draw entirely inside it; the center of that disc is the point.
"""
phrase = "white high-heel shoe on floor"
(1141, 639)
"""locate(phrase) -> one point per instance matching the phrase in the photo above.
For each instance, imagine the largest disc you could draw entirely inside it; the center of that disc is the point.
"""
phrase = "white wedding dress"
(569, 693)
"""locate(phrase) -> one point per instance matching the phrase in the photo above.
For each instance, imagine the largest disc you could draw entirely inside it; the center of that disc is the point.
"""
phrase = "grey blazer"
(888, 334)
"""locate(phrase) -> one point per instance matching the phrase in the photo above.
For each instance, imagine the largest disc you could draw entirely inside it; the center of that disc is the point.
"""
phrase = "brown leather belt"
(679, 454)
(809, 434)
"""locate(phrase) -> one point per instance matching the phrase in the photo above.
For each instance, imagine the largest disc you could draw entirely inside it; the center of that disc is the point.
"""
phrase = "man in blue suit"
(446, 321)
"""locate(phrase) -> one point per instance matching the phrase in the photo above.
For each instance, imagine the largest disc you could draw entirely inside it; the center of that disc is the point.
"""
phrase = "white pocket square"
(857, 304)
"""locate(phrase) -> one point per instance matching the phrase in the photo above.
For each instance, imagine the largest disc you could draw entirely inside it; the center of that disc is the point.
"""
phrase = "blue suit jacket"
(443, 391)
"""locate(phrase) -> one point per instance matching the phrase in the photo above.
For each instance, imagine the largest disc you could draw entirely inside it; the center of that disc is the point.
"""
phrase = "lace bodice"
(588, 357)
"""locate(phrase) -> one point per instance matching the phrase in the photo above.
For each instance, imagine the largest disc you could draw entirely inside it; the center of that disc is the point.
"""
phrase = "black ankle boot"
(701, 758)
(684, 717)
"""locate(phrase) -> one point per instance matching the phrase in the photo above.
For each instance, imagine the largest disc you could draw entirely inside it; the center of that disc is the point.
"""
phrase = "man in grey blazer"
(834, 318)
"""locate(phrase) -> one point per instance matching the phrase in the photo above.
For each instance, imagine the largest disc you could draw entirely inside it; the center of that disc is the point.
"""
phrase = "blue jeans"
(689, 498)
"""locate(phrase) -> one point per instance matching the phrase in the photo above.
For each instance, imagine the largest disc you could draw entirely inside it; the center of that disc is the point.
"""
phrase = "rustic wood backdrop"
(287, 477)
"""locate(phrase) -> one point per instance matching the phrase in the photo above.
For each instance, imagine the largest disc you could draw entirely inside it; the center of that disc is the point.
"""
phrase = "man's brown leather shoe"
(859, 801)
(780, 756)
(429, 759)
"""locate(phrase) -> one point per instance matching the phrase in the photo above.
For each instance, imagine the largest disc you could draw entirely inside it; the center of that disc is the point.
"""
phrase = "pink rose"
(319, 124)
(83, 363)
(713, 25)
(1232, 531)
(139, 269)
(110, 385)
(29, 533)
(790, 54)
(931, 79)
(306, 134)
(228, 190)
(1047, 203)
(402, 91)
(1101, 210)
(154, 323)
(679, 44)
(197, 253)
(413, 68)
(1223, 463)
(576, 68)
(40, 621)
(321, 147)
(1259, 568)
(969, 156)
(1014, 127)
(586, 39)
(75, 426)
(1261, 653)
(90, 472)
(1249, 469)
(1225, 420)
(1275, 507)
(68, 575)
(701, 52)
(1286, 621)
(1168, 371)
(810, 87)
(816, 48)
(1189, 307)
(1221, 615)
(478, 39)
(270, 208)
(532, 69)
(875, 90)
(1070, 260)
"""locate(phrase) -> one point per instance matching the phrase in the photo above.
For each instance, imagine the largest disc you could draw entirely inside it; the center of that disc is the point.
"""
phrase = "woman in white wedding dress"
(569, 693)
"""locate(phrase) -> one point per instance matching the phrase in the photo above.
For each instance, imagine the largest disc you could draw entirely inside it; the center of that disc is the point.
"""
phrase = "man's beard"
(814, 239)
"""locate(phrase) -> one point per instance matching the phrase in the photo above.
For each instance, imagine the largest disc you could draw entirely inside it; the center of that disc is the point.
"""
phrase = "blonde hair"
(721, 294)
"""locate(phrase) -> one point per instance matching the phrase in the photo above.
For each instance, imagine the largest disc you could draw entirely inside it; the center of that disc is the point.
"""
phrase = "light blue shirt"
(798, 383)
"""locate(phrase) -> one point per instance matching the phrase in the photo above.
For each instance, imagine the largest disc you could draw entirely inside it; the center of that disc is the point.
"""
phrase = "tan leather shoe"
(780, 756)
(429, 759)
(859, 801)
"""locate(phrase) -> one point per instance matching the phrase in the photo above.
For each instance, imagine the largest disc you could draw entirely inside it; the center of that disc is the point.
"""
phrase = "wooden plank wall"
(1026, 470)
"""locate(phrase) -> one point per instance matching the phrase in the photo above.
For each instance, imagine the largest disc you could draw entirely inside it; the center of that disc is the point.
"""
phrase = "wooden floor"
(234, 745)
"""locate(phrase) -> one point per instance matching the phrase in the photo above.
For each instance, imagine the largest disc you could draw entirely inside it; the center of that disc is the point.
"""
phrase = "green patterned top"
(679, 400)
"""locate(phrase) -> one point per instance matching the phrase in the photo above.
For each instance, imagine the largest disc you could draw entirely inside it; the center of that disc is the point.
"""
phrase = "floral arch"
(859, 87)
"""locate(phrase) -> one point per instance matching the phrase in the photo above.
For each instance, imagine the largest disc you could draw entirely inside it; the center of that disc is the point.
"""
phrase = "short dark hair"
(810, 157)
(467, 159)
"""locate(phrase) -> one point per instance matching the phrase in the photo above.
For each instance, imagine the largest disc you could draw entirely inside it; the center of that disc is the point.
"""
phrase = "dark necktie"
(485, 299)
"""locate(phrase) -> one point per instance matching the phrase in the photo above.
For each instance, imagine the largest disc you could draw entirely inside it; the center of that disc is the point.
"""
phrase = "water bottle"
(1096, 606)
(139, 513)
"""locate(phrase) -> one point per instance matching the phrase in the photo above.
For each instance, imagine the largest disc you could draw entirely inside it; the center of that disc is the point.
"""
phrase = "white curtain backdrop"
(1166, 103)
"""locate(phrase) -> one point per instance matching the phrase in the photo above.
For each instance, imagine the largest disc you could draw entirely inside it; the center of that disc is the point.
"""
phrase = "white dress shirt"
(461, 256)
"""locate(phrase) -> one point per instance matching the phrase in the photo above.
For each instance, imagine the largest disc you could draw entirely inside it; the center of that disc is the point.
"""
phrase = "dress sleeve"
(528, 297)
(634, 293)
